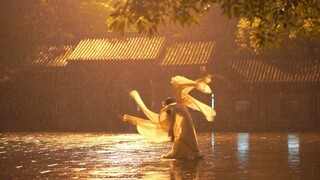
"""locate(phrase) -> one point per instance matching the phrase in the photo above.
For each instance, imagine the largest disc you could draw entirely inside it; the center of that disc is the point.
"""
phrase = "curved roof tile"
(132, 48)
(50, 56)
(188, 53)
(255, 71)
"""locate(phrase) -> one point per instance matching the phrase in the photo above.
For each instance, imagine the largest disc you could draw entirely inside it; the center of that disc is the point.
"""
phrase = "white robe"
(156, 127)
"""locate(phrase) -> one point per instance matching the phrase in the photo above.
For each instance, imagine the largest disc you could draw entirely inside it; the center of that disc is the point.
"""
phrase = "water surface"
(121, 156)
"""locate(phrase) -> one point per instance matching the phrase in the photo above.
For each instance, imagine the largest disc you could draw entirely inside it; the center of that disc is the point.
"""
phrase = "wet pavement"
(129, 156)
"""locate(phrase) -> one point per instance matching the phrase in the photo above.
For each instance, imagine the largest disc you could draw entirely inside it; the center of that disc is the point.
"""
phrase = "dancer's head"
(168, 101)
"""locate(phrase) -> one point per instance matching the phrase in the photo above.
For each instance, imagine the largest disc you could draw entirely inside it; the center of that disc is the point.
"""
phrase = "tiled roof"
(133, 48)
(50, 56)
(254, 71)
(188, 53)
(8, 75)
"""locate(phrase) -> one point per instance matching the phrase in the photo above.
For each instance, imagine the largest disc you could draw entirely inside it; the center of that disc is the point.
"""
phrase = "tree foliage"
(26, 23)
(269, 22)
(146, 15)
(261, 23)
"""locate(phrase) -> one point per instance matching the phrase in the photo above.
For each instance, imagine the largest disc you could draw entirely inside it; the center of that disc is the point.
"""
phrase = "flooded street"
(121, 156)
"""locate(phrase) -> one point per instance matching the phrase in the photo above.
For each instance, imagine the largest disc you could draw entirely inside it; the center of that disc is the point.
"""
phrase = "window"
(243, 108)
(290, 109)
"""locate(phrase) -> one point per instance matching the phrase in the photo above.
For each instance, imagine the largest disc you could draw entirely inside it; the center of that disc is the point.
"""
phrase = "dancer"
(174, 122)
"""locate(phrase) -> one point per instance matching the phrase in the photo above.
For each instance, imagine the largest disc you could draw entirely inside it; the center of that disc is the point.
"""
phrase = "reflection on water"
(243, 149)
(293, 150)
(185, 169)
(126, 156)
(212, 145)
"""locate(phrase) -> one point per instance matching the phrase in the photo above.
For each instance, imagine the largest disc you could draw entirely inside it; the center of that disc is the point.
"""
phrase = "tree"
(261, 23)
(24, 24)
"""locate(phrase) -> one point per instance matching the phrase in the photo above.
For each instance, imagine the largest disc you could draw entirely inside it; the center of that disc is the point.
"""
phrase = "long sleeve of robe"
(157, 125)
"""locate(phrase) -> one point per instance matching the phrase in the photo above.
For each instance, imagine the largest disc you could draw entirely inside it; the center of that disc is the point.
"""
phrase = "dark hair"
(169, 100)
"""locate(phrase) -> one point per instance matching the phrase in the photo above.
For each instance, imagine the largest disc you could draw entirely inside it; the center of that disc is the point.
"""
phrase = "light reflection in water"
(293, 149)
(212, 145)
(129, 156)
(243, 149)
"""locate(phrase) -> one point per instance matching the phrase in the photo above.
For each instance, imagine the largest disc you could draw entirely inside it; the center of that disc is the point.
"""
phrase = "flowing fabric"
(156, 127)
(152, 128)
(181, 87)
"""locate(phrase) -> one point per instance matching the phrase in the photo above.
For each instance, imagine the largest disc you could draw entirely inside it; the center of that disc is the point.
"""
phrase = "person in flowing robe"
(181, 132)
(174, 122)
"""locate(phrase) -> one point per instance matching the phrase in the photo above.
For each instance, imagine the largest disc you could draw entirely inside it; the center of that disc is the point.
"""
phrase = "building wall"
(80, 97)
(93, 96)
(258, 110)
(103, 93)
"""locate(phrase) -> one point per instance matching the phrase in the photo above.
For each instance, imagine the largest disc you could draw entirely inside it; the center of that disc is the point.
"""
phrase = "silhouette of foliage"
(261, 23)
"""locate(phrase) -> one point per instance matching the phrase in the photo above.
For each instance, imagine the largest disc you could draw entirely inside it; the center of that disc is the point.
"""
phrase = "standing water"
(121, 156)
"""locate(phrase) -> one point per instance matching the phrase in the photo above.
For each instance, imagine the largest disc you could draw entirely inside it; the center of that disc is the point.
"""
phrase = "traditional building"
(104, 71)
(8, 97)
(37, 94)
(269, 97)
(85, 87)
